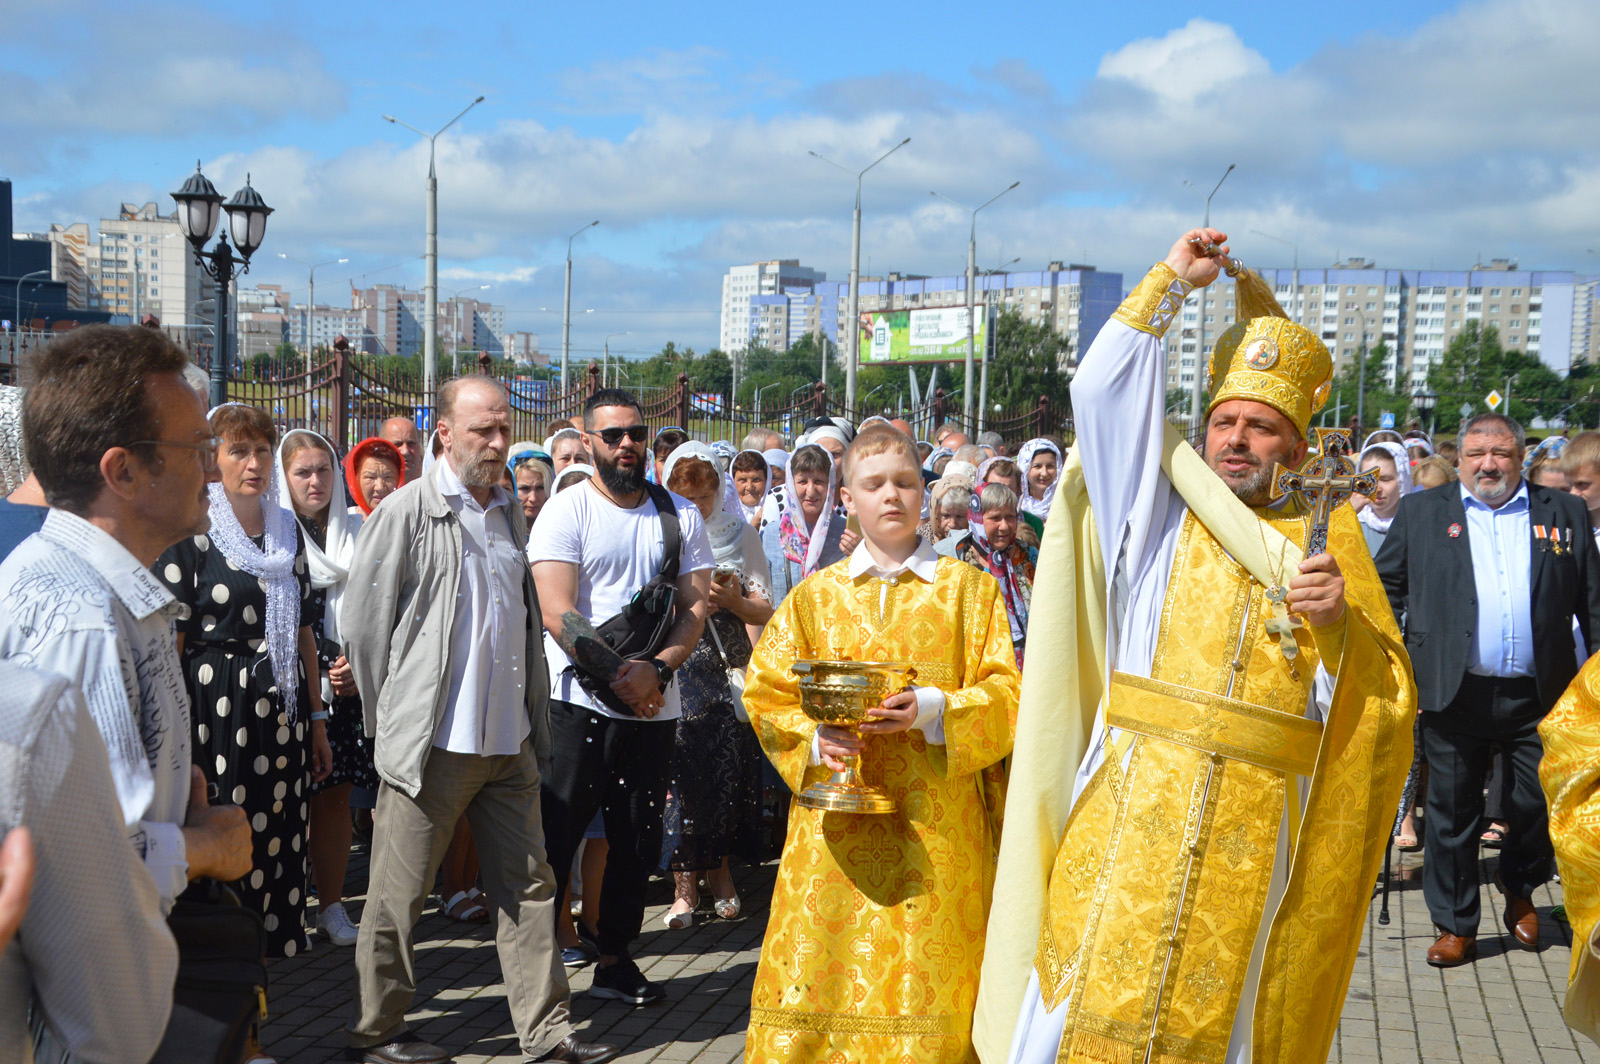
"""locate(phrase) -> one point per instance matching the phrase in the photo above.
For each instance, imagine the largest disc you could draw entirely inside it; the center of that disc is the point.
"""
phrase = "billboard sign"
(928, 334)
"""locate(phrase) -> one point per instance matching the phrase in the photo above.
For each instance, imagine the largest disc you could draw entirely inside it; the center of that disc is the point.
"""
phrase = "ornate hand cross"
(1326, 482)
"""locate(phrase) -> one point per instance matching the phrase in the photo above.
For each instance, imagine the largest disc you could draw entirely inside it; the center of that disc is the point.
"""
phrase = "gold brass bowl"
(840, 693)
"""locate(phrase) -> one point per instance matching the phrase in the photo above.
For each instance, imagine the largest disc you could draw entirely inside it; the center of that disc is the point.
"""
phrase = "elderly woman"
(990, 543)
(309, 471)
(248, 649)
(566, 448)
(750, 474)
(1040, 463)
(373, 470)
(714, 810)
(948, 503)
(808, 532)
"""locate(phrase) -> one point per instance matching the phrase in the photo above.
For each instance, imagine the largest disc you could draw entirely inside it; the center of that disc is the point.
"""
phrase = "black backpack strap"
(671, 532)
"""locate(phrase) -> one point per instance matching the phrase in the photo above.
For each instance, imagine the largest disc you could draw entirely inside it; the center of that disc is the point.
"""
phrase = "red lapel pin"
(1455, 531)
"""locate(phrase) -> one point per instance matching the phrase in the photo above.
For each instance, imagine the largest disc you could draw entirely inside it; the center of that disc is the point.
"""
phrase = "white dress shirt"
(75, 602)
(1502, 568)
(486, 712)
(924, 565)
(94, 956)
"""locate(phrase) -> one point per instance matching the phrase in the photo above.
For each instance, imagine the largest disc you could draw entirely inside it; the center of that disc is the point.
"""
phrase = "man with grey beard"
(1488, 576)
(452, 674)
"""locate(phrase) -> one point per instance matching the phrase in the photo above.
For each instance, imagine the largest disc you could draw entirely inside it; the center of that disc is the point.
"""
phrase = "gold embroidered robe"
(1570, 774)
(1133, 603)
(876, 931)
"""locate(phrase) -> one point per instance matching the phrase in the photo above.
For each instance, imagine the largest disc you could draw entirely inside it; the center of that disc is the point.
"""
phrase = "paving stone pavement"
(1504, 1007)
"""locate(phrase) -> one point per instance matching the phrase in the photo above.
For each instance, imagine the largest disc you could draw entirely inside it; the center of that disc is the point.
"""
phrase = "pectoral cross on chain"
(1282, 623)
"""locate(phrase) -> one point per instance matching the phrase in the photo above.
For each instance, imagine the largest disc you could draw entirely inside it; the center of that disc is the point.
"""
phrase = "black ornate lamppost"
(199, 207)
(1424, 399)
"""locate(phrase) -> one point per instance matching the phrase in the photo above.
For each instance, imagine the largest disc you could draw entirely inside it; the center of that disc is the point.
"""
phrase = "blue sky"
(1416, 134)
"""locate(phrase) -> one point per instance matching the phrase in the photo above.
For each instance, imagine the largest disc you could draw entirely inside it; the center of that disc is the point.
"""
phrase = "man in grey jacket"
(448, 658)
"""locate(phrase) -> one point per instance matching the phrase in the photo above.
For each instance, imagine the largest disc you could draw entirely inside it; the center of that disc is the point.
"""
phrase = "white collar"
(129, 580)
(1471, 501)
(450, 484)
(923, 563)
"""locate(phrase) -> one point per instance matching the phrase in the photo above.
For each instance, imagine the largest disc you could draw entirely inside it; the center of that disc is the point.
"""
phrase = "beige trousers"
(500, 797)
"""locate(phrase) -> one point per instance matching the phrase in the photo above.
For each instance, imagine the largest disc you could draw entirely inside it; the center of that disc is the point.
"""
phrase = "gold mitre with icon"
(1270, 359)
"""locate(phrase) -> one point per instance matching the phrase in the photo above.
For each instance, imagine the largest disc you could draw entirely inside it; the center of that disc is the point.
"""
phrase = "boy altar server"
(876, 933)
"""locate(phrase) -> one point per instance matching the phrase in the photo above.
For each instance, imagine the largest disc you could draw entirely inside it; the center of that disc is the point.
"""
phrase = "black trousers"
(1488, 716)
(620, 767)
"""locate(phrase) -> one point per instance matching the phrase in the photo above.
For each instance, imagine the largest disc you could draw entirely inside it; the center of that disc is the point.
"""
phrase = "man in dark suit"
(1487, 575)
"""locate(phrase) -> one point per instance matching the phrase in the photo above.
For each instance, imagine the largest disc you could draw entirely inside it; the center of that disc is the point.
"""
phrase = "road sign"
(1493, 399)
(1466, 410)
(1387, 420)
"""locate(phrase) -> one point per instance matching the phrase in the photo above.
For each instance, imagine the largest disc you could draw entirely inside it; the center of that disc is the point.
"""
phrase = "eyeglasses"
(207, 449)
(612, 437)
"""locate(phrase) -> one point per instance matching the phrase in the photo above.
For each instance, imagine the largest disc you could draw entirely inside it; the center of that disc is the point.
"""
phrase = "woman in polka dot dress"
(259, 728)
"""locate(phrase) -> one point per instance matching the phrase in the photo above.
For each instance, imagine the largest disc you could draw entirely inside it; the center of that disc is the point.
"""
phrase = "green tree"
(1029, 361)
(1381, 395)
(1476, 363)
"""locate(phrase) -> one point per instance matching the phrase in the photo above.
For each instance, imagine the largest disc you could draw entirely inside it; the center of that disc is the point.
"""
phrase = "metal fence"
(348, 396)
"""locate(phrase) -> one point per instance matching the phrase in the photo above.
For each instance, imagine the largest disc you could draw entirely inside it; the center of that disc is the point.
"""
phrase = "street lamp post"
(1424, 399)
(991, 341)
(18, 299)
(853, 330)
(566, 304)
(430, 310)
(199, 207)
(1200, 352)
(972, 270)
(311, 299)
(606, 357)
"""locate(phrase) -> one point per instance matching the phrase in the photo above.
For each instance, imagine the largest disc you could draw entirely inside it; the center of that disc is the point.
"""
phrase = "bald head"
(903, 425)
(402, 432)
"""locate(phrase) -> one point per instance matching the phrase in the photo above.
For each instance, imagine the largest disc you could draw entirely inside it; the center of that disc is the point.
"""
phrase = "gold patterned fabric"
(1160, 883)
(876, 933)
(1570, 775)
(1272, 360)
(1155, 301)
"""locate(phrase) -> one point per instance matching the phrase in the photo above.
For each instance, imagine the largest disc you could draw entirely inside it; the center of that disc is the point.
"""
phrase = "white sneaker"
(335, 924)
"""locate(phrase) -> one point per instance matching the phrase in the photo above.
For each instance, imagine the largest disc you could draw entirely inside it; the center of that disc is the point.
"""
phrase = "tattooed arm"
(557, 584)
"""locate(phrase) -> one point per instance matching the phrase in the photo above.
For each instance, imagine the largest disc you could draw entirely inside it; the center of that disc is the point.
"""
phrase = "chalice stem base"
(846, 793)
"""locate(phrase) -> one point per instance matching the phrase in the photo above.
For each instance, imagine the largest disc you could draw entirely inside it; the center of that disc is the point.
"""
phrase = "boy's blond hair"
(1583, 452)
(878, 439)
(1433, 472)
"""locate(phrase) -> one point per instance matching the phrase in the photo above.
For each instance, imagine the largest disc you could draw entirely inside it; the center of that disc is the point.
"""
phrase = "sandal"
(465, 906)
(727, 908)
(677, 919)
(1492, 838)
(1407, 843)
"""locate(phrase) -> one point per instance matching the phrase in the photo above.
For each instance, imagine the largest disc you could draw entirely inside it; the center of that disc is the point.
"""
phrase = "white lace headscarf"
(1040, 508)
(328, 565)
(1402, 471)
(733, 541)
(272, 562)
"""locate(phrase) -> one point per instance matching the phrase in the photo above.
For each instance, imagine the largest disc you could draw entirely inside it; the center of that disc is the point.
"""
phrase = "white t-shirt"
(617, 552)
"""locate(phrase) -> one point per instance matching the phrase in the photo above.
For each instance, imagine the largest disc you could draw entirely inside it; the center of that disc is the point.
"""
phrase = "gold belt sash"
(1214, 724)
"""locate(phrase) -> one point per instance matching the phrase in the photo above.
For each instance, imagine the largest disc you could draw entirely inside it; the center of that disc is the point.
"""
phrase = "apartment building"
(141, 265)
(261, 319)
(756, 303)
(524, 347)
(1073, 300)
(1416, 313)
(394, 319)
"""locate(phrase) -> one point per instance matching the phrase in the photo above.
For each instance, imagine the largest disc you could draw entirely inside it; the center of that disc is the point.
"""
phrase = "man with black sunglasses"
(598, 545)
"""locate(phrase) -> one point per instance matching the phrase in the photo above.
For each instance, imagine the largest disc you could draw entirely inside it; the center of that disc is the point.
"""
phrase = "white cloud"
(1191, 62)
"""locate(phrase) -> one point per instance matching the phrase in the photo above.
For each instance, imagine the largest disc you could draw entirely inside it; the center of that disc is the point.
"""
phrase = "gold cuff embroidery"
(1152, 305)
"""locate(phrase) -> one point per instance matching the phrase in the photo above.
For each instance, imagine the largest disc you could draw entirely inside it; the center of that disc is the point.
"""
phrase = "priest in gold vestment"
(1213, 737)
(876, 929)
(1570, 775)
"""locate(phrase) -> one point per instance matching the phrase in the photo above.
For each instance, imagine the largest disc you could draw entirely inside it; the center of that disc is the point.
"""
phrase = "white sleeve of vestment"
(1119, 405)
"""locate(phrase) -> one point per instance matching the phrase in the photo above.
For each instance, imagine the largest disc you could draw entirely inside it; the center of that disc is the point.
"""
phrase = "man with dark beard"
(454, 682)
(599, 543)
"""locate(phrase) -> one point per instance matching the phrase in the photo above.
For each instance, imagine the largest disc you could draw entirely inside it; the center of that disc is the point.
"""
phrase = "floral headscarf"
(1013, 567)
(803, 544)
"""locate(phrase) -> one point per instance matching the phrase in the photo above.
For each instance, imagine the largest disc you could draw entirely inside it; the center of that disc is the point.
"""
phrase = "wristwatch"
(663, 673)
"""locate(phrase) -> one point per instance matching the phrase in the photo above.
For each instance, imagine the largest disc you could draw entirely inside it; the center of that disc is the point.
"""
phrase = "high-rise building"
(524, 347)
(1073, 300)
(262, 319)
(756, 303)
(1550, 313)
(394, 318)
(141, 265)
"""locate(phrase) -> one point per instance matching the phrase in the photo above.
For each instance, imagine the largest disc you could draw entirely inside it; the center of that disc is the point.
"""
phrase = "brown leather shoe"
(1451, 951)
(406, 1049)
(571, 1050)
(1522, 920)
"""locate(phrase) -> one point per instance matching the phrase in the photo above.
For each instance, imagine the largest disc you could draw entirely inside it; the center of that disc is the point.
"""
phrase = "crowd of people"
(532, 675)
